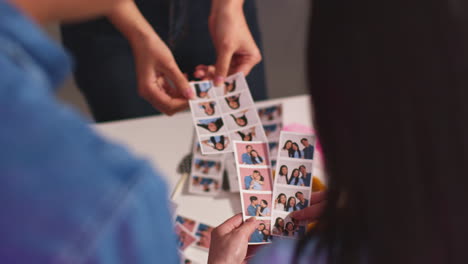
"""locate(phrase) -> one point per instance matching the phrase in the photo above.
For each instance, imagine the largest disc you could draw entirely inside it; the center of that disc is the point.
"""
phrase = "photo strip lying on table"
(255, 185)
(224, 114)
(199, 231)
(292, 187)
(206, 173)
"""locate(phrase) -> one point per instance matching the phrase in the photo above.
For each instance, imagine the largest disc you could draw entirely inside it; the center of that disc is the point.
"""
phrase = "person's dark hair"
(234, 98)
(254, 161)
(279, 196)
(304, 139)
(302, 166)
(263, 208)
(285, 143)
(253, 198)
(212, 104)
(389, 102)
(198, 89)
(281, 170)
(221, 140)
(294, 180)
(277, 225)
(244, 136)
(286, 208)
(243, 117)
(291, 151)
(218, 122)
(234, 86)
(298, 193)
(246, 147)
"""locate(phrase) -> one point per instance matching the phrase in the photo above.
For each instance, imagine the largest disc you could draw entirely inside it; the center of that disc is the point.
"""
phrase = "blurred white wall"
(283, 24)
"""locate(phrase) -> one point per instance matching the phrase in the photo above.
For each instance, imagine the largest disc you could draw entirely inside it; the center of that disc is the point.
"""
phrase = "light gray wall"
(283, 24)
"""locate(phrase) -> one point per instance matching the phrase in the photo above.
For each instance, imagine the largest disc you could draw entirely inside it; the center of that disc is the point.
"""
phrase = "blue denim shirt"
(67, 195)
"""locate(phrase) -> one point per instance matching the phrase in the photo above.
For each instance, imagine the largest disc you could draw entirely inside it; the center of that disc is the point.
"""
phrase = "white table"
(164, 141)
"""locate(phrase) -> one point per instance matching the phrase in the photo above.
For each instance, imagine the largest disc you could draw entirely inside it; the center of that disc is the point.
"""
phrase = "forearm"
(222, 5)
(128, 19)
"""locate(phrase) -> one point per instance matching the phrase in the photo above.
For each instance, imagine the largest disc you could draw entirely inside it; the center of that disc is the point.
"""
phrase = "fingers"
(245, 62)
(248, 227)
(223, 63)
(310, 213)
(317, 197)
(230, 224)
(174, 74)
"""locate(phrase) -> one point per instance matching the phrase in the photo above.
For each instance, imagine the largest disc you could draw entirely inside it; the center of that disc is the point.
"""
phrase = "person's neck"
(38, 11)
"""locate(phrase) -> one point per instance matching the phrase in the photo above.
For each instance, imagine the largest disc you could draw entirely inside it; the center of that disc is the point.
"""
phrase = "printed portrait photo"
(203, 89)
(204, 185)
(262, 234)
(294, 172)
(290, 199)
(253, 133)
(203, 234)
(207, 167)
(234, 83)
(257, 204)
(204, 108)
(285, 226)
(236, 101)
(184, 238)
(297, 146)
(215, 144)
(273, 131)
(271, 113)
(186, 222)
(242, 119)
(254, 179)
(212, 125)
(249, 153)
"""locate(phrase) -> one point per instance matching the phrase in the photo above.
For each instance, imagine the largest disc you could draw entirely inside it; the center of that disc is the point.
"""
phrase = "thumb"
(248, 227)
(179, 80)
(223, 63)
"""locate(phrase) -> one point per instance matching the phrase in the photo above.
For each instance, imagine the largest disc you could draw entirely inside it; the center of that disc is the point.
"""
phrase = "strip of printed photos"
(292, 187)
(224, 114)
(255, 184)
(206, 174)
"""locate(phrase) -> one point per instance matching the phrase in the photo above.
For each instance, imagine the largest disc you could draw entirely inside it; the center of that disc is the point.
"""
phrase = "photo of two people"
(257, 204)
(256, 179)
(252, 153)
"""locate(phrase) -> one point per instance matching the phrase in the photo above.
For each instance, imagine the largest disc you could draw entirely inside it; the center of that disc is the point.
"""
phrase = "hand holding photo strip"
(255, 184)
(292, 187)
(221, 112)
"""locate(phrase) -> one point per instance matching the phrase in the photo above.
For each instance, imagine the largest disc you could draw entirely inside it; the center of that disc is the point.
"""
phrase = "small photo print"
(236, 101)
(297, 146)
(215, 144)
(233, 83)
(186, 222)
(273, 131)
(253, 133)
(204, 185)
(242, 119)
(271, 113)
(257, 204)
(203, 89)
(285, 226)
(203, 234)
(294, 173)
(262, 233)
(287, 199)
(207, 167)
(256, 179)
(210, 125)
(184, 238)
(205, 108)
(252, 153)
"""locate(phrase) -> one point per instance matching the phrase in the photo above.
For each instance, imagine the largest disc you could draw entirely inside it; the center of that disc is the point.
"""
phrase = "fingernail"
(218, 80)
(189, 93)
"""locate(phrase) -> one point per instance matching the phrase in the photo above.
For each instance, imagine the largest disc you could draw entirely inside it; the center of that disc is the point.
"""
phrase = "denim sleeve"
(67, 195)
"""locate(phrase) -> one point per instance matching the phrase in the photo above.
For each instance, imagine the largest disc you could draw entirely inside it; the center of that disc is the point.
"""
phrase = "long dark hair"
(280, 172)
(261, 208)
(286, 208)
(254, 161)
(295, 179)
(292, 151)
(277, 224)
(390, 102)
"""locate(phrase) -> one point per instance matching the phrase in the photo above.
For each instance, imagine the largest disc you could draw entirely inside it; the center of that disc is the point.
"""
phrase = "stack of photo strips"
(206, 172)
(255, 184)
(224, 114)
(191, 233)
(293, 182)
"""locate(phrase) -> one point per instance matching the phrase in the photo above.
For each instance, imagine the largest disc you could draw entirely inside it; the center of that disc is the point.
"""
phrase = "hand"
(235, 47)
(155, 66)
(313, 211)
(229, 241)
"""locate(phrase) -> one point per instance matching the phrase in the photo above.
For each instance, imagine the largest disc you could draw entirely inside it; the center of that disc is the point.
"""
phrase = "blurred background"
(283, 25)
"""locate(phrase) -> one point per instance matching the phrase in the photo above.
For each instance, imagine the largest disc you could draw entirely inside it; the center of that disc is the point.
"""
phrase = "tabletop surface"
(164, 141)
